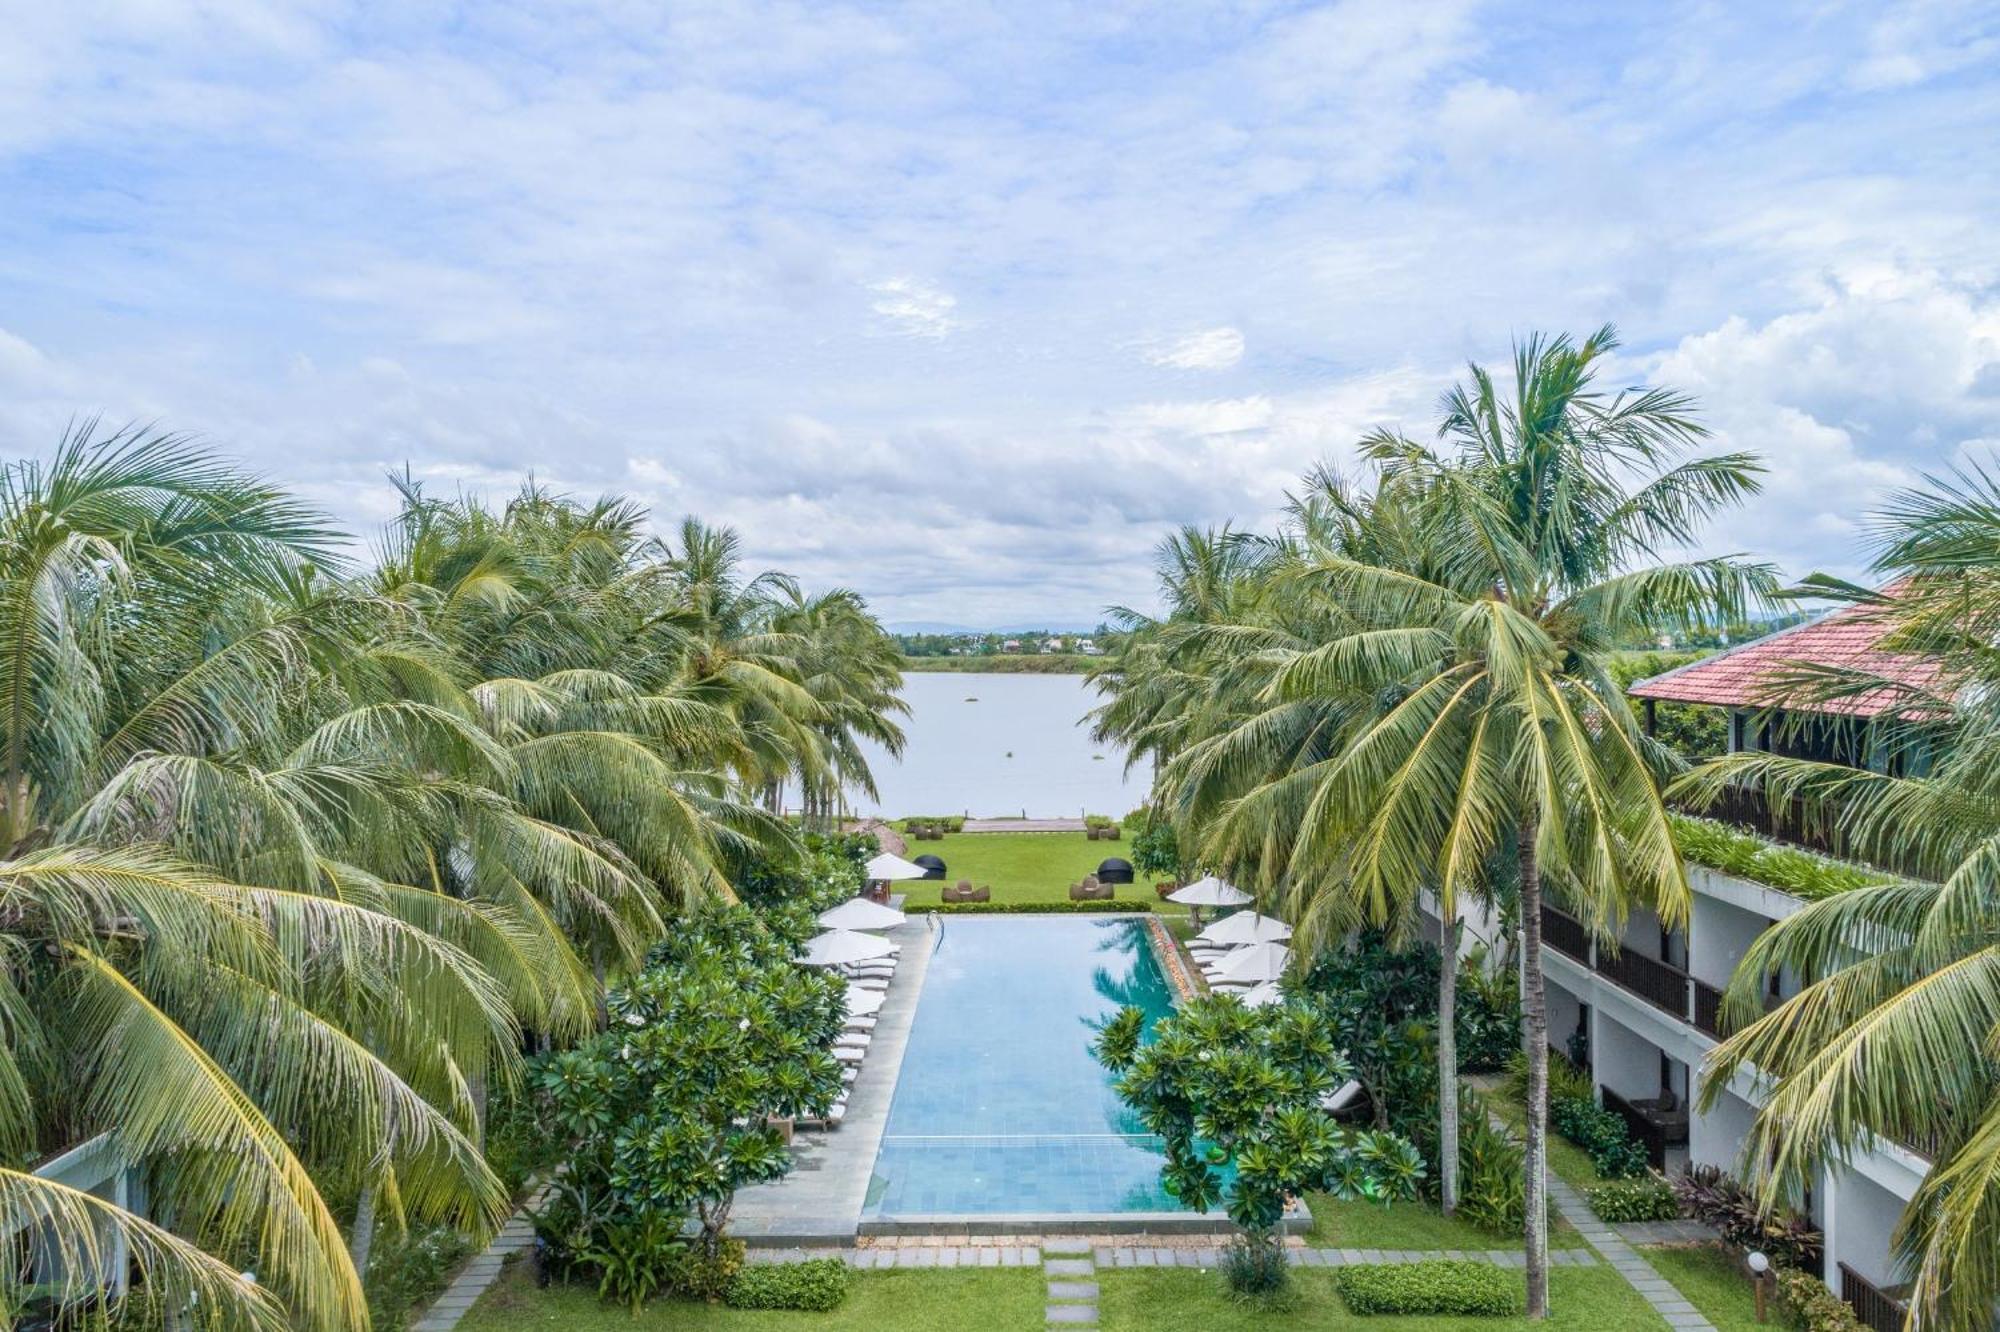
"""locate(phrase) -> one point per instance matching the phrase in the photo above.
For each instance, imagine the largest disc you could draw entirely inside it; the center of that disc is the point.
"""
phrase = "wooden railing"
(1875, 1307)
(1654, 981)
(1795, 822)
(1707, 1007)
(1566, 934)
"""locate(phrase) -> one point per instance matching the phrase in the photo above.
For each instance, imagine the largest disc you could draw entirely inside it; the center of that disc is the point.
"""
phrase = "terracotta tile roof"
(1752, 675)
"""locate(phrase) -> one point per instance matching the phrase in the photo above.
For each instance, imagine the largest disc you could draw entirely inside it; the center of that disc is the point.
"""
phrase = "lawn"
(1410, 1225)
(1020, 867)
(1570, 1162)
(1593, 1299)
(1714, 1282)
(879, 1302)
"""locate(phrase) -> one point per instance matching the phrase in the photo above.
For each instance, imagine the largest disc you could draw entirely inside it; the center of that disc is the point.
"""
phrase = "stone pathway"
(1070, 1266)
(514, 1237)
(1023, 825)
(1668, 1302)
(1683, 1231)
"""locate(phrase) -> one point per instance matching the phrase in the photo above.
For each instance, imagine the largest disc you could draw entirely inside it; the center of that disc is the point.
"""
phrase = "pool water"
(1000, 1107)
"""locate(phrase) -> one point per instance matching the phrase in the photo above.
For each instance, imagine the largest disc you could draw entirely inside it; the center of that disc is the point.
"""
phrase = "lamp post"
(1760, 1271)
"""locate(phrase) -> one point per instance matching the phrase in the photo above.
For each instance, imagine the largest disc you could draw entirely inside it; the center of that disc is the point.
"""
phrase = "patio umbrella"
(1262, 995)
(1209, 891)
(886, 868)
(839, 947)
(863, 1003)
(1256, 962)
(1246, 927)
(858, 913)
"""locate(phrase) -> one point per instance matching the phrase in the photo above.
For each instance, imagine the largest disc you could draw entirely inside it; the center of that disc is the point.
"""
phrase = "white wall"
(1716, 1137)
(1719, 936)
(1563, 1009)
(1859, 1218)
(1623, 1060)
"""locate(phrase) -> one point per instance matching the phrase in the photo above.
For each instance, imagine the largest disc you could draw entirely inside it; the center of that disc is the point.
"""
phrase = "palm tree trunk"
(1447, 1043)
(1535, 1040)
(363, 1239)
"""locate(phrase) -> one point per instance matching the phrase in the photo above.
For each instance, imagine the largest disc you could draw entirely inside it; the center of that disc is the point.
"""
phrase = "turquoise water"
(1000, 1106)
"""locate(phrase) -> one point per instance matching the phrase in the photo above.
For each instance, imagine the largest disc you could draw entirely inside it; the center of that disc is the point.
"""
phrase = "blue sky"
(965, 305)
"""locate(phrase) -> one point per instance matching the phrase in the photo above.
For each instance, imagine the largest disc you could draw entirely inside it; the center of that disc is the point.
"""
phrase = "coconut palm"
(1542, 516)
(1892, 1033)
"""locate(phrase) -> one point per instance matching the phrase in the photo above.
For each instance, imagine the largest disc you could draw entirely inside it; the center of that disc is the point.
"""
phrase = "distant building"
(1011, 645)
(1051, 645)
(1088, 647)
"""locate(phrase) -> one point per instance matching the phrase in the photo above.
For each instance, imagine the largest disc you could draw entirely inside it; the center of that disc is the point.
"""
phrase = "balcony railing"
(1795, 822)
(1566, 934)
(1875, 1307)
(1654, 981)
(1707, 1007)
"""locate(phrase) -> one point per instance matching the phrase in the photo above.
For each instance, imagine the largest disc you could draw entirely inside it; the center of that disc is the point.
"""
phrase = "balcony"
(1795, 823)
(1566, 935)
(1660, 985)
(1874, 1305)
(1655, 1128)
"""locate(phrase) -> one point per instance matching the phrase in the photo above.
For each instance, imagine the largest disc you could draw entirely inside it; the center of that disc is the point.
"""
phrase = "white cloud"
(915, 307)
(1210, 349)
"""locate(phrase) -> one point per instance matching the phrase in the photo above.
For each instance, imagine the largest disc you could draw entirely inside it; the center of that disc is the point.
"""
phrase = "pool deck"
(820, 1201)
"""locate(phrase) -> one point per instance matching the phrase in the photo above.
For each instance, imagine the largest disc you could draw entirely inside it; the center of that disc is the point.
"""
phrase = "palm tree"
(1892, 1033)
(1500, 727)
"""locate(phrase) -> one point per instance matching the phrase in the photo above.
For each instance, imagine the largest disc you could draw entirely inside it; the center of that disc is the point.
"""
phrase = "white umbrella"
(862, 1003)
(1256, 962)
(858, 913)
(886, 867)
(1245, 927)
(1209, 891)
(839, 947)
(1264, 994)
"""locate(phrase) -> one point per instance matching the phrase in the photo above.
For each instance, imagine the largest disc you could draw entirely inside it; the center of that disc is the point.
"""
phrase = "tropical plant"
(666, 1115)
(1235, 1091)
(1891, 1032)
(1455, 678)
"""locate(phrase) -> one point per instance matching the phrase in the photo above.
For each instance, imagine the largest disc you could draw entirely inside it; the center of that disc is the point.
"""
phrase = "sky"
(965, 306)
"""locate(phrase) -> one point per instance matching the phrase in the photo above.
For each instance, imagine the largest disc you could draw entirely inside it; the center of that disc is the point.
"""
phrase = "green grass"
(1006, 663)
(1713, 1280)
(1571, 1164)
(880, 1302)
(1020, 867)
(1410, 1225)
(1580, 1299)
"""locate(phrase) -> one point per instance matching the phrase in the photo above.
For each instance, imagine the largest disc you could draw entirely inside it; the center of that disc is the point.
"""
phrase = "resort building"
(1643, 1016)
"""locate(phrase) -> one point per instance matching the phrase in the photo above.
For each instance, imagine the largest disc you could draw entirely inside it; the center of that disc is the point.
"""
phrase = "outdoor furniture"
(963, 891)
(933, 866)
(1114, 870)
(1090, 890)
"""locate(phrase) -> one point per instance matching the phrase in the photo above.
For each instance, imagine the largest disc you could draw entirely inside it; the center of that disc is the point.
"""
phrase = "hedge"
(1026, 908)
(1649, 1198)
(1436, 1286)
(815, 1285)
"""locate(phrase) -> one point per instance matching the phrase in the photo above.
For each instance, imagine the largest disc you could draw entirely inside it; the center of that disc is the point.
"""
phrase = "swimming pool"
(1000, 1108)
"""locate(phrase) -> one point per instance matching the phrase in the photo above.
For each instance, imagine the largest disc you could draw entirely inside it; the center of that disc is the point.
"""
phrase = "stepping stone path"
(514, 1237)
(1070, 1268)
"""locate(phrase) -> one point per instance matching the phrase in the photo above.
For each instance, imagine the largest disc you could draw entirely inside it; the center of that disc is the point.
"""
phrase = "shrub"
(1488, 1015)
(813, 1286)
(1600, 1133)
(1099, 821)
(1566, 1080)
(1010, 908)
(1648, 1198)
(1439, 1286)
(1709, 1195)
(1254, 1265)
(407, 1271)
(638, 1258)
(1812, 1304)
(1492, 1192)
(1156, 850)
(695, 1272)
(950, 823)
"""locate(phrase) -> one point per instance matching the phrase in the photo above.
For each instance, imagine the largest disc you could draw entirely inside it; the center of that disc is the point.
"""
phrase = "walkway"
(1023, 825)
(473, 1279)
(820, 1201)
(1668, 1302)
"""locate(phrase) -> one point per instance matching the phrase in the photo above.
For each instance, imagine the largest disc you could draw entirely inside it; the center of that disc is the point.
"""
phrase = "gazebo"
(1114, 870)
(933, 866)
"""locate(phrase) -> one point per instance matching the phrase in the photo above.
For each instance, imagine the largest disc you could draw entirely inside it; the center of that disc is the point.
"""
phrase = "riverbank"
(1039, 663)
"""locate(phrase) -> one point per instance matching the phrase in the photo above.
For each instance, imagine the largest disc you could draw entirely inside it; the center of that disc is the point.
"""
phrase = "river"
(1002, 745)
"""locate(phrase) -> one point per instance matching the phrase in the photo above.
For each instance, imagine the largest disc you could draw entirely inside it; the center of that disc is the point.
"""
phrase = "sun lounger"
(860, 1024)
(851, 1040)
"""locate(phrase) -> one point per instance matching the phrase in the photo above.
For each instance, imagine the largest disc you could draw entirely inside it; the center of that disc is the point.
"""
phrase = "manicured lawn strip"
(1570, 1162)
(1410, 1225)
(1714, 1282)
(938, 1301)
(1020, 867)
(1134, 1300)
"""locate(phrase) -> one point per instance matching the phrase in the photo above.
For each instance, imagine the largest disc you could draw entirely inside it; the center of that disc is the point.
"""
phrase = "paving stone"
(1072, 1313)
(1066, 1244)
(1073, 1290)
(1069, 1267)
(989, 1257)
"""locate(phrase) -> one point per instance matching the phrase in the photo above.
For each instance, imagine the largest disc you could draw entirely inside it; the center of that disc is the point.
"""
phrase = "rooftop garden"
(1803, 874)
